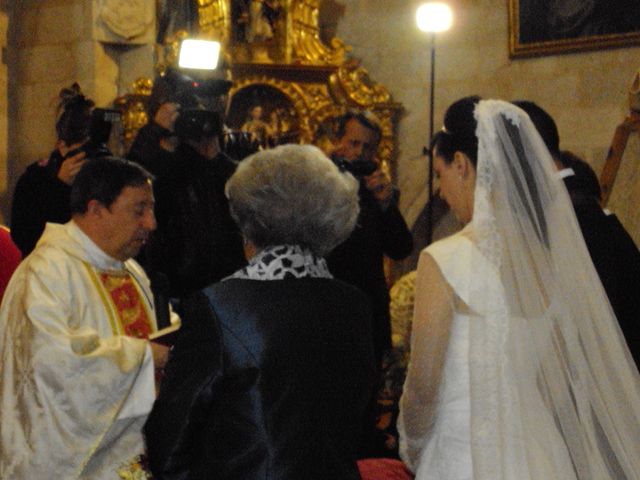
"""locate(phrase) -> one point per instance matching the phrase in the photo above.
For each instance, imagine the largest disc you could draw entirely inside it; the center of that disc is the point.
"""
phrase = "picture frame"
(539, 28)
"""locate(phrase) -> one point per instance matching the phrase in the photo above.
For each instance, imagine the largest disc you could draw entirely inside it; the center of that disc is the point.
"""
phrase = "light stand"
(431, 18)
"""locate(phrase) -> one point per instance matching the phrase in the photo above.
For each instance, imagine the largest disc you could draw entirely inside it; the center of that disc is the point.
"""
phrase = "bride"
(518, 368)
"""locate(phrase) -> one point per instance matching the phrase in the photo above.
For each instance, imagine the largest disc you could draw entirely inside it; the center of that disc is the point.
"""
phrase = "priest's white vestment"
(75, 386)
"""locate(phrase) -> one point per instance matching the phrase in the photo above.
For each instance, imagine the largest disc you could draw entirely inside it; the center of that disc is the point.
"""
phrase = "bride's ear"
(462, 164)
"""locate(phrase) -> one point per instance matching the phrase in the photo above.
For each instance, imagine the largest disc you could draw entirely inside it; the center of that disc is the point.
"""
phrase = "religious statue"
(260, 131)
(262, 18)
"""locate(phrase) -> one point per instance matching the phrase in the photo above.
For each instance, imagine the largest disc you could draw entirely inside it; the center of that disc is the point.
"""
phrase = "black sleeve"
(397, 241)
(617, 261)
(146, 149)
(39, 197)
(187, 393)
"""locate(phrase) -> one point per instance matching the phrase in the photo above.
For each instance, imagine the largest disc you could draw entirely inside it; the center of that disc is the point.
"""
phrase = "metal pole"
(431, 109)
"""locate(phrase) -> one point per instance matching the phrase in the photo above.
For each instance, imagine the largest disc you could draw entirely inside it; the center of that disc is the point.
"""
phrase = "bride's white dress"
(447, 452)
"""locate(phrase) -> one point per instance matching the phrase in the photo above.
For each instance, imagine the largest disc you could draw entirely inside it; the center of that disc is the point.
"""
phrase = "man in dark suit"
(381, 229)
(613, 252)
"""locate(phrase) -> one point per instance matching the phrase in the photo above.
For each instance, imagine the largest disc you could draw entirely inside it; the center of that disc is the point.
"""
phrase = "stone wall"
(52, 44)
(584, 92)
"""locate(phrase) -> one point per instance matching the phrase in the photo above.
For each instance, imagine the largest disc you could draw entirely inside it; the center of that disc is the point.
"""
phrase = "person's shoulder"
(227, 291)
(40, 178)
(338, 292)
(50, 263)
(309, 287)
(345, 288)
(136, 269)
(225, 164)
(35, 171)
(452, 245)
(455, 254)
(226, 284)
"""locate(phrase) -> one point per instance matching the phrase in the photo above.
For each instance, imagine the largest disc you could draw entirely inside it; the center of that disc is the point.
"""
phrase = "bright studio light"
(199, 54)
(434, 17)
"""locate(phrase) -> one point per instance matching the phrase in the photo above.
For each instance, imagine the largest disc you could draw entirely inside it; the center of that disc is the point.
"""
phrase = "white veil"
(554, 391)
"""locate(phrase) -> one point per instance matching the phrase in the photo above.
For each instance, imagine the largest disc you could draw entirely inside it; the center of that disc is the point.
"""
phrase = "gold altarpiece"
(301, 83)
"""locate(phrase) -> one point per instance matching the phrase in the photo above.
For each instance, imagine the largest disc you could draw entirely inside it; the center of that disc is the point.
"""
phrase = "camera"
(194, 124)
(100, 126)
(199, 115)
(358, 167)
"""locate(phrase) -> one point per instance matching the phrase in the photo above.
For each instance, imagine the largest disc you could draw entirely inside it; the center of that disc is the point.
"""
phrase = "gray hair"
(293, 195)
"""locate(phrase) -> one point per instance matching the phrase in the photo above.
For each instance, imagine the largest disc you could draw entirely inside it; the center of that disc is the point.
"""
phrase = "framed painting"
(545, 27)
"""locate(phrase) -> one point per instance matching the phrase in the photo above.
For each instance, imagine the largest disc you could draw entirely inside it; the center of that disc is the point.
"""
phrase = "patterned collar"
(284, 261)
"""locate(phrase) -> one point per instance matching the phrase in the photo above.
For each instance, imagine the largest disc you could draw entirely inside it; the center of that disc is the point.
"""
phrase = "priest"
(76, 366)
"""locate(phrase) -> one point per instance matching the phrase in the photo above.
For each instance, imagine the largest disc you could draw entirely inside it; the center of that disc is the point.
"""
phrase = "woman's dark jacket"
(269, 380)
(39, 197)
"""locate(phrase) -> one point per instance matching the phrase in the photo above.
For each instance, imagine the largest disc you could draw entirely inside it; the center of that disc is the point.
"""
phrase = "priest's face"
(128, 221)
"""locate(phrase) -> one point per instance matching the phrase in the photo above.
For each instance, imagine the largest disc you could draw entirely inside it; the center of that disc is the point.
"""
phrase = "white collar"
(93, 253)
(565, 172)
(284, 261)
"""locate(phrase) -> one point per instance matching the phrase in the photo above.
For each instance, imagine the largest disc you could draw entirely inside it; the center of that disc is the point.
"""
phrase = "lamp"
(199, 54)
(432, 17)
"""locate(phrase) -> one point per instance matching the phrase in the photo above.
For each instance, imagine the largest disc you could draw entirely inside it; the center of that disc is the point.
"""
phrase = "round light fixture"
(434, 17)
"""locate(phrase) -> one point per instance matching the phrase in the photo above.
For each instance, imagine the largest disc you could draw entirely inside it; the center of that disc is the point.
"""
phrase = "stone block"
(84, 58)
(134, 62)
(55, 24)
(47, 63)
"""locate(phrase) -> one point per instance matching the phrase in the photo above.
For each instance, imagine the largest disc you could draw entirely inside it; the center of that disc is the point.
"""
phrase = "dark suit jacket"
(359, 260)
(197, 242)
(617, 261)
(269, 380)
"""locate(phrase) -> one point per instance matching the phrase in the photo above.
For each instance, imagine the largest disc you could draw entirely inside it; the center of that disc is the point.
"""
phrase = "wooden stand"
(616, 151)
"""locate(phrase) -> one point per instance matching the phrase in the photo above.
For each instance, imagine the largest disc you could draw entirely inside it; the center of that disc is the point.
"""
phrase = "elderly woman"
(274, 368)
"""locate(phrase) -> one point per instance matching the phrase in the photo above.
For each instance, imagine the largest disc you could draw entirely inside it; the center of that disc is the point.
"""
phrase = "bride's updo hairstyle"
(458, 133)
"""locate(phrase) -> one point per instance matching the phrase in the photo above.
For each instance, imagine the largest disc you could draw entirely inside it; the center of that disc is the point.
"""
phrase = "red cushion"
(383, 469)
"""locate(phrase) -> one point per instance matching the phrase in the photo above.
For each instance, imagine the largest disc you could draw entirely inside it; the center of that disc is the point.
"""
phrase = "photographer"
(42, 191)
(156, 141)
(196, 242)
(380, 230)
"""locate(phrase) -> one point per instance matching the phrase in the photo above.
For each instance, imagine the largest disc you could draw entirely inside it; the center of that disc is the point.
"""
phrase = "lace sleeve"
(433, 312)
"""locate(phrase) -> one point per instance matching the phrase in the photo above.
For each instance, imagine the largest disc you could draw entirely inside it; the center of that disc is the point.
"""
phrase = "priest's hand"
(160, 355)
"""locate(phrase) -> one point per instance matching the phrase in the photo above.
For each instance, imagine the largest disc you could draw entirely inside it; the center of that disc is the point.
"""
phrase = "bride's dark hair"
(459, 131)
